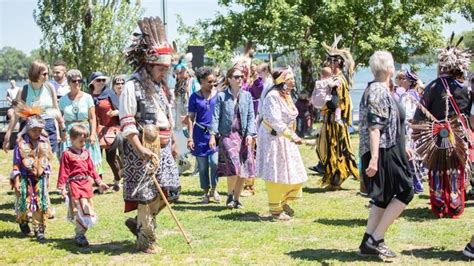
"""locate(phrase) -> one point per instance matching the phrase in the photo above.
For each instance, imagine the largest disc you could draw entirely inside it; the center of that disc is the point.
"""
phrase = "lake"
(361, 78)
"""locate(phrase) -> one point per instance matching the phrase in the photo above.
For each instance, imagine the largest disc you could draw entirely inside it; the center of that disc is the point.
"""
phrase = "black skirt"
(393, 174)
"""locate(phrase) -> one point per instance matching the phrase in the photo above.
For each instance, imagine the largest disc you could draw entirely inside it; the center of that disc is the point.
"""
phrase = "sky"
(18, 28)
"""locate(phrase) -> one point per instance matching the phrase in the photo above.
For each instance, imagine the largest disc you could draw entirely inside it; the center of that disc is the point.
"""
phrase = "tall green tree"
(89, 35)
(13, 64)
(405, 28)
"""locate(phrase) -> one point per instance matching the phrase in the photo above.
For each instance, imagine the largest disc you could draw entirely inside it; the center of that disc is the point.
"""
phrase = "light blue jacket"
(224, 113)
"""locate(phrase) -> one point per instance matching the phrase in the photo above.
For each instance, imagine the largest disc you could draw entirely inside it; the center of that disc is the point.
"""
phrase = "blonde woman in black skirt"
(384, 159)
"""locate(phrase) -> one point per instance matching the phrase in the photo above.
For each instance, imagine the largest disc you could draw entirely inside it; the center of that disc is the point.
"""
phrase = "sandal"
(380, 247)
(216, 196)
(364, 250)
(288, 210)
(282, 216)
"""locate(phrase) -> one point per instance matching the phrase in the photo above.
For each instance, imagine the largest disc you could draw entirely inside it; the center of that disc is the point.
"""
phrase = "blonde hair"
(36, 69)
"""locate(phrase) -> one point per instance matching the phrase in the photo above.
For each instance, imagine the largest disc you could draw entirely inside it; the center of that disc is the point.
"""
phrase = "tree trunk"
(307, 69)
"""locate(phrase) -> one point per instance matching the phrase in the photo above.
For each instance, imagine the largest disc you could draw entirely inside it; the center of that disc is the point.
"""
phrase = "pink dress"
(278, 158)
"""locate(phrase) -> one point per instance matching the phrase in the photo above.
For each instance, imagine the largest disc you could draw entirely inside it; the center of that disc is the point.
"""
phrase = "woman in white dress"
(279, 162)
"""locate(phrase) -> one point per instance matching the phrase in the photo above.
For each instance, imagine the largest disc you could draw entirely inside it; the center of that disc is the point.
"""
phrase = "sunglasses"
(77, 81)
(45, 74)
(100, 80)
(119, 83)
(238, 77)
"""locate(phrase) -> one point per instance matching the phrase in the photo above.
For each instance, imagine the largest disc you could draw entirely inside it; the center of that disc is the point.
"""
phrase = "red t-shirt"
(77, 165)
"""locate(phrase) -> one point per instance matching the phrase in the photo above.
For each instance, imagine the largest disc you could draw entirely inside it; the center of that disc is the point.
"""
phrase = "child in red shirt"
(76, 172)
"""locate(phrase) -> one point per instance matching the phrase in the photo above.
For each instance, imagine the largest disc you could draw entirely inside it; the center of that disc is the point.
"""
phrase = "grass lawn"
(327, 229)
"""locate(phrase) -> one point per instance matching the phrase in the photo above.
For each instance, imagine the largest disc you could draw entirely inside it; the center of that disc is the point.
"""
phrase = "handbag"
(107, 135)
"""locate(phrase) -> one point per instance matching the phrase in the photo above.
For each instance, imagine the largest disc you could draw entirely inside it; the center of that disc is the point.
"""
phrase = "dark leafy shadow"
(313, 190)
(200, 207)
(469, 204)
(11, 234)
(56, 200)
(7, 217)
(326, 255)
(418, 214)
(342, 222)
(244, 217)
(198, 193)
(7, 206)
(436, 253)
(424, 196)
(111, 248)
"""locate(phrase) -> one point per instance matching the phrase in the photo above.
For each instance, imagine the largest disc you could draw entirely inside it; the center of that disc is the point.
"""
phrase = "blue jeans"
(204, 163)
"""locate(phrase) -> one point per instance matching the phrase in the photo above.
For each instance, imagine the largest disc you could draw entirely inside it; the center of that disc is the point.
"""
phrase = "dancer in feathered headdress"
(442, 133)
(31, 170)
(334, 147)
(146, 120)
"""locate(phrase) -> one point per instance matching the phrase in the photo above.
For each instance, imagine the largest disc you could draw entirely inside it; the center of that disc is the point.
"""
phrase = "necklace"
(75, 106)
(35, 95)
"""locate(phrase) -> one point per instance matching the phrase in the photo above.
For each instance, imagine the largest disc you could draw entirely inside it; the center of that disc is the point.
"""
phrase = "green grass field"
(327, 229)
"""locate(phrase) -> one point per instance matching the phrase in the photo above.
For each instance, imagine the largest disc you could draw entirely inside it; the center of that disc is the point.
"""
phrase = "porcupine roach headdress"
(452, 58)
(345, 55)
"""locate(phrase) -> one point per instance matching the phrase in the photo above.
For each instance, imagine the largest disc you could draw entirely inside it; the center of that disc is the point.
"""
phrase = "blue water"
(364, 76)
(361, 78)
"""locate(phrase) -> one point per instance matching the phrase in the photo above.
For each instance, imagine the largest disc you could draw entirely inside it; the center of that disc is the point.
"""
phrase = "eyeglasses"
(238, 77)
(100, 80)
(77, 81)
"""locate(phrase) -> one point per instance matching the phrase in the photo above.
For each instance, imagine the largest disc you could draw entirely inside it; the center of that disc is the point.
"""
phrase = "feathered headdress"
(332, 51)
(24, 111)
(244, 61)
(150, 46)
(29, 114)
(452, 58)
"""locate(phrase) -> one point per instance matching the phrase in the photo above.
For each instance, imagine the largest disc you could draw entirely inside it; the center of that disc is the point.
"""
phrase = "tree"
(405, 28)
(14, 64)
(89, 35)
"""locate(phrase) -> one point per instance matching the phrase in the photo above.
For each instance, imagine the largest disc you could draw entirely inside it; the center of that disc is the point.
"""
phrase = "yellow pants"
(281, 194)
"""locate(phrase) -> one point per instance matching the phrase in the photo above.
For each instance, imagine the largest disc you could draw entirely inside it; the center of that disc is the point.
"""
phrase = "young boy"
(76, 172)
(30, 175)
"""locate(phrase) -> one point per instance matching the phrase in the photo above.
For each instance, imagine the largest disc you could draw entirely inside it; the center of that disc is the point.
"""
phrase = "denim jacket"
(224, 113)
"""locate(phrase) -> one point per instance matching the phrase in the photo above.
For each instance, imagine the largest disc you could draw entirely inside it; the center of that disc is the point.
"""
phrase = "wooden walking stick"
(163, 196)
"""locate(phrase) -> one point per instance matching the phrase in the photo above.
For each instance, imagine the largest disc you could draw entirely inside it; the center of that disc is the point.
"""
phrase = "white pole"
(164, 5)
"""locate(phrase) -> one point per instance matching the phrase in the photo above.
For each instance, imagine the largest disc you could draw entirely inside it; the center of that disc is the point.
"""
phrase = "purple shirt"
(203, 110)
(256, 92)
(17, 159)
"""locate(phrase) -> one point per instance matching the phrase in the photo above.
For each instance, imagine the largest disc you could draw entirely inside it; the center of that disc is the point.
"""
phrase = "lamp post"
(165, 19)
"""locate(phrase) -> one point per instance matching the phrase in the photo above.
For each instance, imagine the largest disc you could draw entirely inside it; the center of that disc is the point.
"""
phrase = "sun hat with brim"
(97, 75)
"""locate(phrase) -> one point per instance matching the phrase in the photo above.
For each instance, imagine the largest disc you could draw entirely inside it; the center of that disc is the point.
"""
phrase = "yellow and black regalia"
(334, 147)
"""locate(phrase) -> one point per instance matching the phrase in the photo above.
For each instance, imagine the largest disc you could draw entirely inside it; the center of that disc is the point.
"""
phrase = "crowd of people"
(241, 125)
